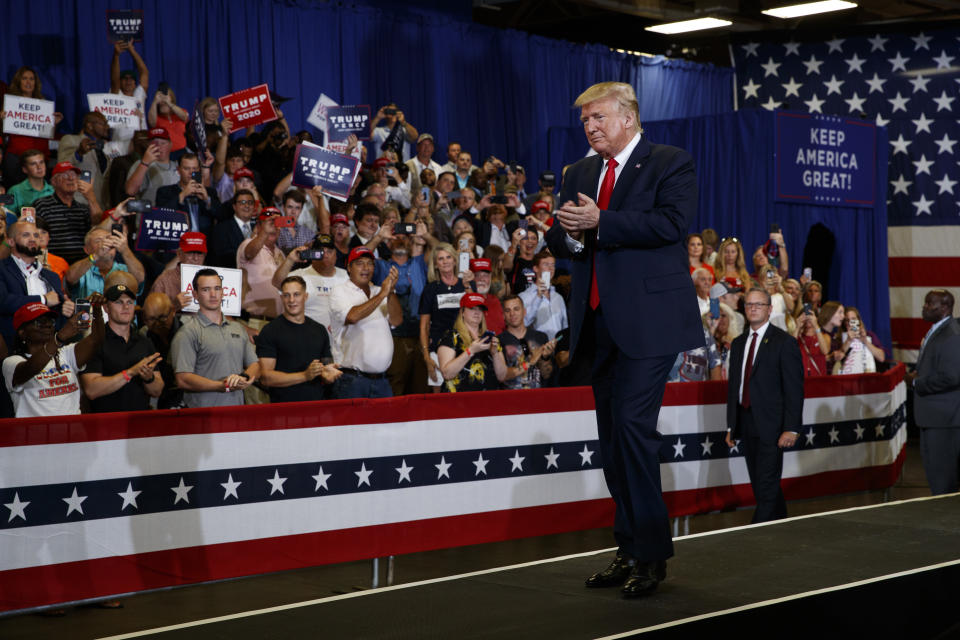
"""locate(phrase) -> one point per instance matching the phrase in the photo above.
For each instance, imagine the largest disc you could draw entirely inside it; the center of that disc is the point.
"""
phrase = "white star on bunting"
(944, 102)
(129, 497)
(900, 145)
(707, 445)
(363, 475)
(923, 205)
(586, 456)
(74, 502)
(945, 144)
(812, 65)
(552, 459)
(855, 63)
(899, 62)
(900, 185)
(404, 471)
(814, 104)
(276, 482)
(923, 165)
(230, 487)
(945, 184)
(516, 462)
(876, 83)
(321, 479)
(770, 68)
(922, 123)
(834, 434)
(17, 508)
(792, 88)
(443, 469)
(480, 464)
(678, 448)
(181, 492)
(750, 89)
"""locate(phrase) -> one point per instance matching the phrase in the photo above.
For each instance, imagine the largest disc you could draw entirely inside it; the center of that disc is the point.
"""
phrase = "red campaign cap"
(540, 205)
(480, 264)
(380, 163)
(63, 167)
(193, 241)
(471, 300)
(339, 218)
(158, 133)
(29, 312)
(242, 172)
(269, 212)
(359, 252)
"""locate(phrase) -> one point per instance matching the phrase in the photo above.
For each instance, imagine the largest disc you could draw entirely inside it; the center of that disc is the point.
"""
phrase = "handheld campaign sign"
(160, 229)
(825, 160)
(342, 121)
(119, 110)
(232, 286)
(318, 115)
(125, 25)
(28, 116)
(334, 172)
(248, 107)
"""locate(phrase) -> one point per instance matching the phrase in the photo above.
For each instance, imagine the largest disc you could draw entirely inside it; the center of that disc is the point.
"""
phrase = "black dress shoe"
(614, 575)
(644, 579)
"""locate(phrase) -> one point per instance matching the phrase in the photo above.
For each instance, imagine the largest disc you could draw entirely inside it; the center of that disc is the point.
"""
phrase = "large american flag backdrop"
(92, 506)
(907, 82)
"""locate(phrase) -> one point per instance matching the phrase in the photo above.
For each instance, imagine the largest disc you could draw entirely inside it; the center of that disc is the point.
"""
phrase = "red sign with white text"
(248, 107)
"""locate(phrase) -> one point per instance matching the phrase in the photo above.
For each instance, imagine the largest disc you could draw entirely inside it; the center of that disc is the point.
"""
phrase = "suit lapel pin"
(639, 164)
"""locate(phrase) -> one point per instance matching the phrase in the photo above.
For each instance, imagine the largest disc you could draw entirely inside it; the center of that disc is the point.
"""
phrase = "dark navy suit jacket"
(646, 293)
(13, 295)
(776, 384)
(225, 239)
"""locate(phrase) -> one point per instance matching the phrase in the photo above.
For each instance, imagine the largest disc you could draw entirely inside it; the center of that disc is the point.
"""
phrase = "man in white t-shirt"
(362, 315)
(321, 277)
(126, 83)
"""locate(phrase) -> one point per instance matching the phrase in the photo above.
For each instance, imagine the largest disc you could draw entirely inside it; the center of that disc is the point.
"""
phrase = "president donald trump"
(624, 215)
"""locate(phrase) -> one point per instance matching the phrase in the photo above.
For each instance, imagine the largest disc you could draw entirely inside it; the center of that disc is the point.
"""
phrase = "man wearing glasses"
(122, 374)
(213, 359)
(230, 233)
(764, 403)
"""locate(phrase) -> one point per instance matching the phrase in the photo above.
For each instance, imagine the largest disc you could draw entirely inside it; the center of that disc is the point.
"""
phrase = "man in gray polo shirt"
(212, 356)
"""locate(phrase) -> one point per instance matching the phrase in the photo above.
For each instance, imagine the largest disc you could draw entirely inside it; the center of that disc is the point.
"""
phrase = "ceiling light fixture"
(809, 8)
(689, 25)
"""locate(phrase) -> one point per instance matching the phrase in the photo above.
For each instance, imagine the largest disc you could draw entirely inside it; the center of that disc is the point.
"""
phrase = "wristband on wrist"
(126, 376)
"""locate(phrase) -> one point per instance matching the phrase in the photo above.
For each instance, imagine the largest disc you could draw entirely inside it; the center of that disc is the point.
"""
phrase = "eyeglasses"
(755, 305)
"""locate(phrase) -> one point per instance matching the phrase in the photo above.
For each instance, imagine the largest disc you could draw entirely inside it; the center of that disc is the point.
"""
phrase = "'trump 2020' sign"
(826, 160)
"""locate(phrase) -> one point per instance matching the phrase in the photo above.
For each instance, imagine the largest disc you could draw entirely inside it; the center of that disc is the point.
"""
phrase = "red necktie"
(745, 399)
(603, 201)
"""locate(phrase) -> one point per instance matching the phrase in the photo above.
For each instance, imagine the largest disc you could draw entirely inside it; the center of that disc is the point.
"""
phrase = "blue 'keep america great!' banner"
(160, 230)
(342, 121)
(825, 160)
(313, 166)
(124, 25)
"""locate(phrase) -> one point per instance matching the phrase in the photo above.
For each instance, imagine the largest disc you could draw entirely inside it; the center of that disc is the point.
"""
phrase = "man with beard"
(528, 352)
(481, 270)
(23, 280)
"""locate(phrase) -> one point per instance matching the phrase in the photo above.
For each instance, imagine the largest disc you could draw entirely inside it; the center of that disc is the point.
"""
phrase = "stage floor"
(804, 572)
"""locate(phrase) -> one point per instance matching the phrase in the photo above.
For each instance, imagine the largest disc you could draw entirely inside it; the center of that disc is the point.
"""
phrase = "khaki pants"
(254, 394)
(407, 373)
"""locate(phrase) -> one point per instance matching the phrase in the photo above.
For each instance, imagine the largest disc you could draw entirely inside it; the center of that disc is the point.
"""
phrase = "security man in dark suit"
(936, 389)
(624, 215)
(190, 196)
(764, 402)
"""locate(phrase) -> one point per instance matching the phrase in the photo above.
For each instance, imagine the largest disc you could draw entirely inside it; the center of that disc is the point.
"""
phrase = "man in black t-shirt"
(122, 375)
(528, 353)
(294, 351)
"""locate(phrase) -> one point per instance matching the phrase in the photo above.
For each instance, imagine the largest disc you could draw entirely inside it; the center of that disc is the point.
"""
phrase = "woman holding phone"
(439, 303)
(470, 356)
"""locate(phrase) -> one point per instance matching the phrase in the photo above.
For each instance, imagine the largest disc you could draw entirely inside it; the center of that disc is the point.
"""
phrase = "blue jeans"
(350, 385)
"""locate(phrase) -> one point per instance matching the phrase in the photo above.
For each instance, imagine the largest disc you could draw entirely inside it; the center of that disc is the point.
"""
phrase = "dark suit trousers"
(940, 448)
(765, 466)
(628, 394)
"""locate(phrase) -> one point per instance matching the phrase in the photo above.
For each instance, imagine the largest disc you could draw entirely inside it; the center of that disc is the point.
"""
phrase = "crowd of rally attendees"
(433, 276)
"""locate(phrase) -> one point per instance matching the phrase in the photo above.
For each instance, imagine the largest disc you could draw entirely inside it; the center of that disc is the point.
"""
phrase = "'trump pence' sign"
(343, 121)
(248, 107)
(334, 172)
(232, 286)
(160, 229)
(28, 116)
(124, 25)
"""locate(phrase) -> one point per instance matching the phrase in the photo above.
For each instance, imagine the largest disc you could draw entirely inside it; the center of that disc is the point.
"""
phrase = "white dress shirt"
(746, 351)
(366, 345)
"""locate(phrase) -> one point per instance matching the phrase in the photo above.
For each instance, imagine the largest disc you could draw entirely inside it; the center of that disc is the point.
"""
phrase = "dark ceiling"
(620, 23)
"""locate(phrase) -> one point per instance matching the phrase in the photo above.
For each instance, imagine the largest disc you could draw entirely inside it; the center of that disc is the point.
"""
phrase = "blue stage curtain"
(495, 91)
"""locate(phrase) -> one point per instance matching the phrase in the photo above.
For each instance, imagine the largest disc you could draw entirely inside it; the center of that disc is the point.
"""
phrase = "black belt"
(357, 372)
